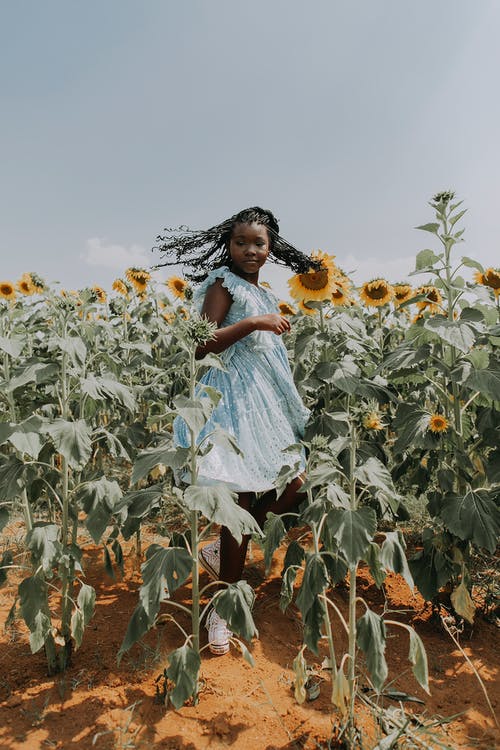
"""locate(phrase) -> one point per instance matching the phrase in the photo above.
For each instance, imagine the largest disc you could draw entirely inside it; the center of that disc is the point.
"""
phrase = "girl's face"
(249, 248)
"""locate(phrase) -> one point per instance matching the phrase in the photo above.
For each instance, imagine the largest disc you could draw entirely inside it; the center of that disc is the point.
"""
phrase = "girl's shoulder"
(239, 289)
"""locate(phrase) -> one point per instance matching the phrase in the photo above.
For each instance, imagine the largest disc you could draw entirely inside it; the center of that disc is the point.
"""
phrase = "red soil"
(98, 704)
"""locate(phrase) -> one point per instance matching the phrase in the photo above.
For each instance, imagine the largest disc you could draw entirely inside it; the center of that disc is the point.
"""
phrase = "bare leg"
(232, 554)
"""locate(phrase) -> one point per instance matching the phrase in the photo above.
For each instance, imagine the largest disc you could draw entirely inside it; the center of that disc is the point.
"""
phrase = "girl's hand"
(273, 322)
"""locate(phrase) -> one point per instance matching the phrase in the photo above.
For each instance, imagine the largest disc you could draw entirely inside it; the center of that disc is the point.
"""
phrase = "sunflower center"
(6, 289)
(377, 292)
(314, 280)
(493, 280)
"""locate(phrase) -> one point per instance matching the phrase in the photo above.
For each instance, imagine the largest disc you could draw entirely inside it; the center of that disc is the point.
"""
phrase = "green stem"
(326, 618)
(195, 608)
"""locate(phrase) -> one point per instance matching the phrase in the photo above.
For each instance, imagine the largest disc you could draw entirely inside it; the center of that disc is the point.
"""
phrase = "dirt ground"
(97, 704)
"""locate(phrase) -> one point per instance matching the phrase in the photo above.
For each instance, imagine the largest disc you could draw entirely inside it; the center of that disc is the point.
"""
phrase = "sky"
(120, 118)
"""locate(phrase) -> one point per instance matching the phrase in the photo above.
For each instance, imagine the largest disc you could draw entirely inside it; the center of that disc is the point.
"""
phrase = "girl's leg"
(286, 502)
(232, 554)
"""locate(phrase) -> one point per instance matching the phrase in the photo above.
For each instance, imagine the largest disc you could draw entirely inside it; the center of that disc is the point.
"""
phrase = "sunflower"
(7, 290)
(438, 423)
(183, 313)
(169, 316)
(266, 284)
(120, 287)
(177, 286)
(341, 294)
(286, 309)
(372, 421)
(100, 293)
(432, 301)
(315, 285)
(37, 282)
(376, 293)
(139, 278)
(402, 292)
(25, 285)
(302, 305)
(491, 278)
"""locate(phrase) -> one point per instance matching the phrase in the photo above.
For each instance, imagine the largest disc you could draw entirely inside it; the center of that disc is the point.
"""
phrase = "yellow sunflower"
(177, 286)
(433, 300)
(25, 285)
(341, 296)
(315, 285)
(302, 306)
(100, 293)
(265, 283)
(438, 423)
(286, 309)
(183, 313)
(169, 316)
(120, 287)
(7, 290)
(372, 421)
(376, 293)
(139, 278)
(491, 278)
(402, 292)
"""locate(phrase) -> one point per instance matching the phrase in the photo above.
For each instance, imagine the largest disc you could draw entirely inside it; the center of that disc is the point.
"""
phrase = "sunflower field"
(403, 384)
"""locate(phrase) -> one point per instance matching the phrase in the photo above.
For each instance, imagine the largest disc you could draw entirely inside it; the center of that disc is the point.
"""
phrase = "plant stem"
(195, 607)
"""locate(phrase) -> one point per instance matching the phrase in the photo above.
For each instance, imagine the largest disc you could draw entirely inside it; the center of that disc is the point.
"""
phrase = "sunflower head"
(316, 284)
(139, 278)
(490, 277)
(99, 293)
(286, 309)
(25, 285)
(438, 423)
(340, 295)
(37, 282)
(304, 308)
(432, 301)
(376, 293)
(372, 421)
(7, 290)
(440, 200)
(178, 287)
(402, 292)
(120, 286)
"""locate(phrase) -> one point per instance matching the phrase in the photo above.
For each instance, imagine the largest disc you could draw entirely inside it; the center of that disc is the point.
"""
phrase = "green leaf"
(108, 388)
(411, 426)
(225, 440)
(474, 516)
(218, 504)
(371, 635)
(72, 440)
(195, 412)
(372, 557)
(287, 583)
(138, 626)
(26, 436)
(32, 372)
(313, 625)
(165, 567)
(354, 531)
(12, 346)
(212, 360)
(314, 582)
(393, 557)
(100, 499)
(234, 604)
(274, 531)
(33, 606)
(462, 602)
(471, 263)
(430, 570)
(454, 332)
(374, 474)
(161, 454)
(486, 380)
(141, 502)
(72, 345)
(11, 478)
(183, 669)
(83, 613)
(418, 658)
(431, 227)
(42, 627)
(44, 545)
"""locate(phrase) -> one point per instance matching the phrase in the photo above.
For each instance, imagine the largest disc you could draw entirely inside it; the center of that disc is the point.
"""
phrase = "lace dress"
(259, 404)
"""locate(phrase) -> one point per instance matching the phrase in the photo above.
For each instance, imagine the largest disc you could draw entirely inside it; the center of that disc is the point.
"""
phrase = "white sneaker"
(218, 634)
(209, 557)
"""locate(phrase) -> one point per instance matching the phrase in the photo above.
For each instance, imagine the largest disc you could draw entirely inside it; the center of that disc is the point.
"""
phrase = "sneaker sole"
(218, 649)
(206, 565)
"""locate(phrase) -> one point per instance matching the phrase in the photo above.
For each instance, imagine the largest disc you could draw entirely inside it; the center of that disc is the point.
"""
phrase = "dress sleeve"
(229, 281)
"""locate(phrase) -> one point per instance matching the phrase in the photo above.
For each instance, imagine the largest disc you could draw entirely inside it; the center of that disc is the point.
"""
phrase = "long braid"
(204, 251)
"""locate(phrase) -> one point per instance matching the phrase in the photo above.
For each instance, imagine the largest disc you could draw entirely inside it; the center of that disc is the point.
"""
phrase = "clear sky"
(121, 117)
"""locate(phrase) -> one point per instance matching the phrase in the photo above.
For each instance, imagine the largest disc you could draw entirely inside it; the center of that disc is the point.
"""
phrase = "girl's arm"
(216, 306)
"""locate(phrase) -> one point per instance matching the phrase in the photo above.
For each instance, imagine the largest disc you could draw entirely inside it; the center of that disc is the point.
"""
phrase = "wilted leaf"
(314, 582)
(371, 640)
(83, 613)
(183, 669)
(418, 658)
(138, 626)
(299, 666)
(462, 602)
(393, 557)
(234, 604)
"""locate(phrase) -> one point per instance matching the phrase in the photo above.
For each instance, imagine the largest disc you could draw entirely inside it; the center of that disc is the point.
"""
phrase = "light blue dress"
(260, 405)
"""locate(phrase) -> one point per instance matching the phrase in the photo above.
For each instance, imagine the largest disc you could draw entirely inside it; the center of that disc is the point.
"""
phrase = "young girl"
(260, 405)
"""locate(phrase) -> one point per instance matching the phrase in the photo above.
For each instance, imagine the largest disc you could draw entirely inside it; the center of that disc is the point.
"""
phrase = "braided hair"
(204, 251)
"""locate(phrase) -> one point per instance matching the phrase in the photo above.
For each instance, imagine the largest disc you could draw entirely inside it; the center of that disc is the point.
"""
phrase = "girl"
(260, 405)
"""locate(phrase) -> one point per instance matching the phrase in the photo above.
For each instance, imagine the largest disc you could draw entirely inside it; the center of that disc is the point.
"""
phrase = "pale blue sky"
(120, 117)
